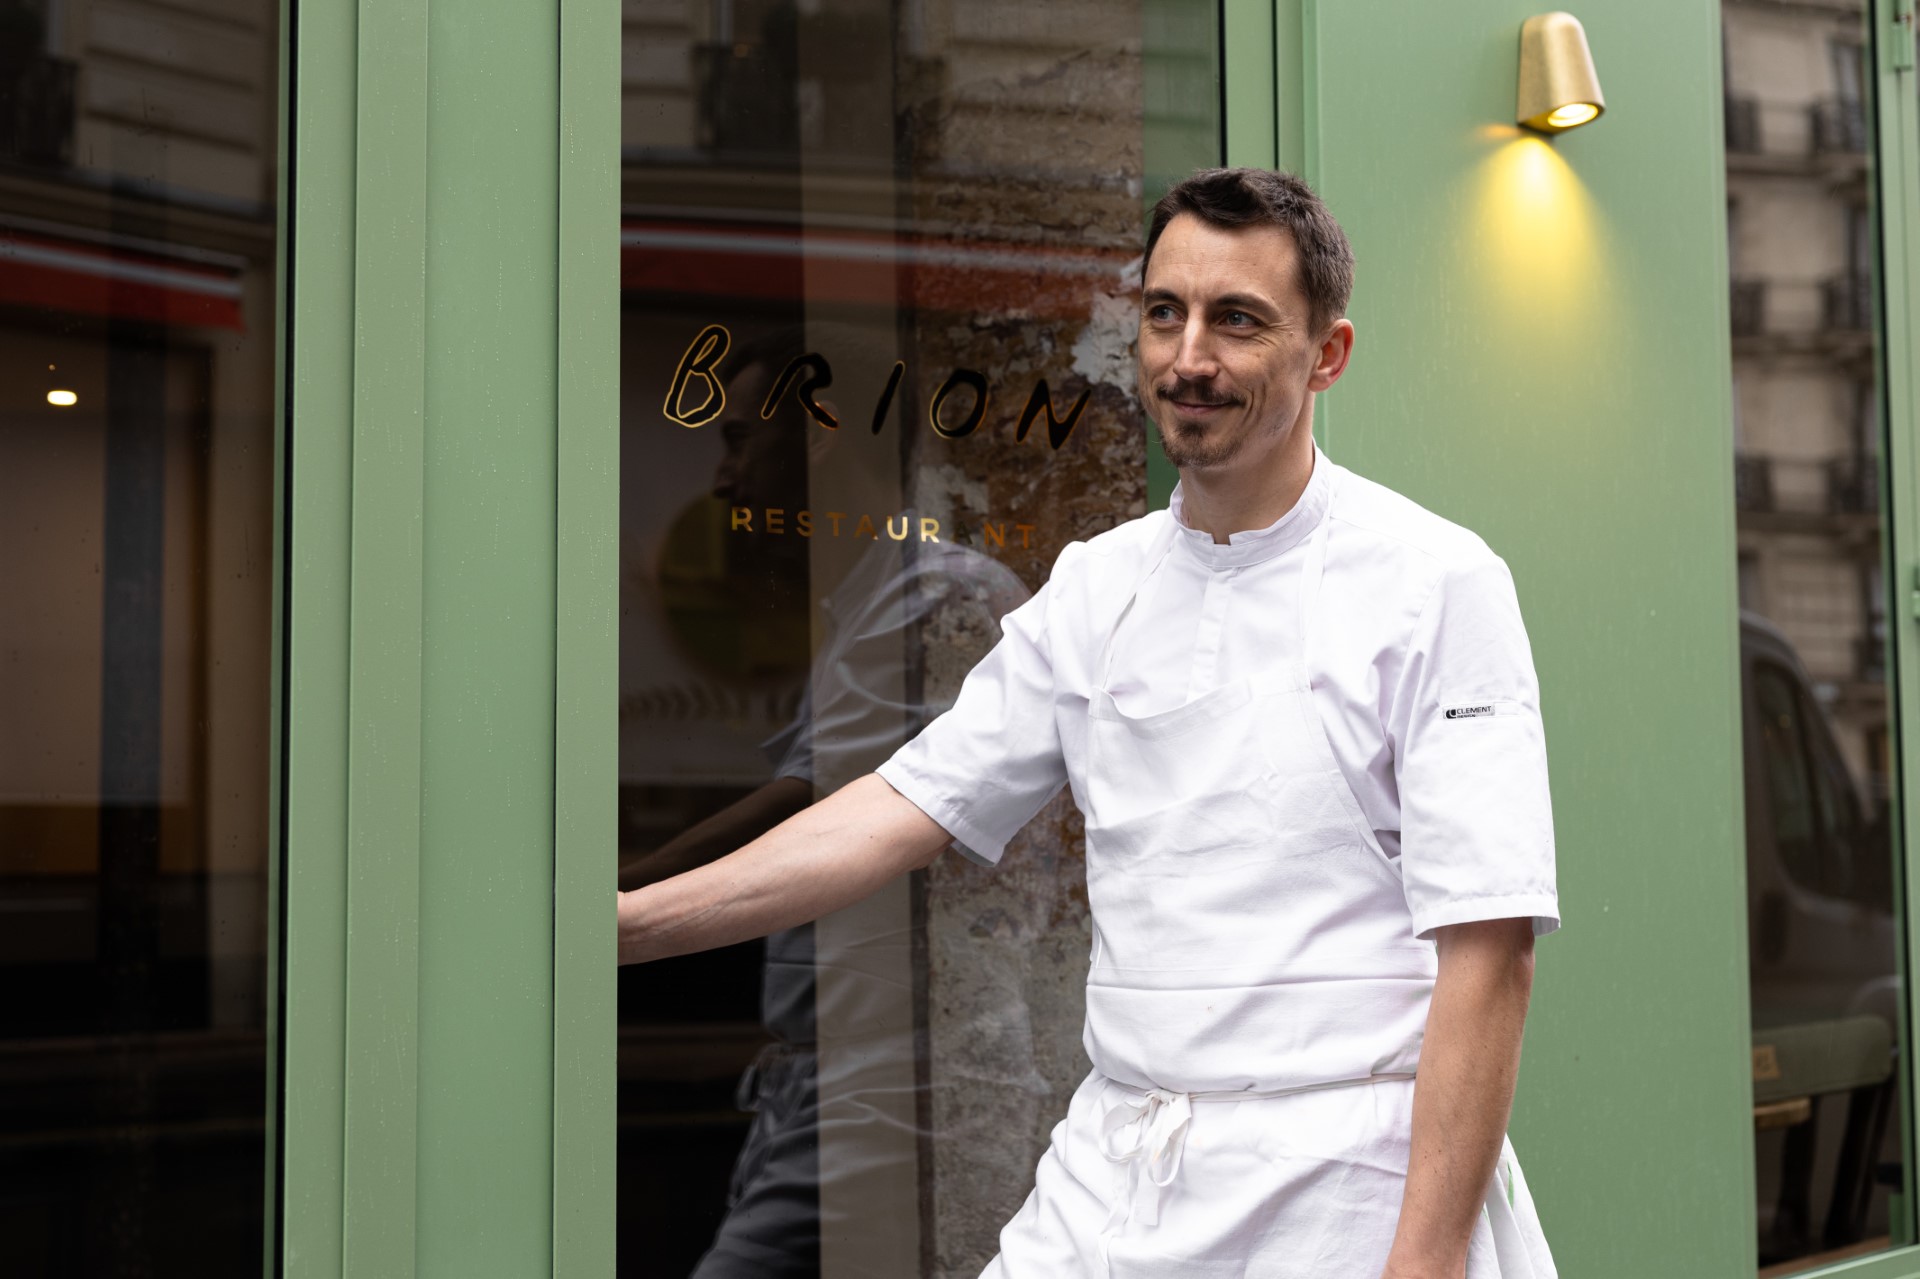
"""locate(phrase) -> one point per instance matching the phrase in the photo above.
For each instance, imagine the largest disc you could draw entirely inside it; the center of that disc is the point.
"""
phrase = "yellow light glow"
(1573, 115)
(1538, 248)
(62, 399)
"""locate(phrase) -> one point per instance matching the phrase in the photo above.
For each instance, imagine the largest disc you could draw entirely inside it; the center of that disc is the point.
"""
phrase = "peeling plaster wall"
(1035, 139)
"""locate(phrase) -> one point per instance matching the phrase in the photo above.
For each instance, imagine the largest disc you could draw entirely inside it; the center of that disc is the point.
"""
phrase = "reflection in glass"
(137, 159)
(876, 374)
(1825, 964)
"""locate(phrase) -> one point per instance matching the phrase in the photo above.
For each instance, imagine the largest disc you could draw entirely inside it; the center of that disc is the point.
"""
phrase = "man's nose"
(1194, 360)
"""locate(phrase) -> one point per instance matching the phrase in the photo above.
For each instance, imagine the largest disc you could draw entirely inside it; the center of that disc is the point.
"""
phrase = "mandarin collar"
(1277, 538)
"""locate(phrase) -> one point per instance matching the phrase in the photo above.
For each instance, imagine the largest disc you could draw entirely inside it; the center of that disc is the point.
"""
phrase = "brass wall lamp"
(1559, 89)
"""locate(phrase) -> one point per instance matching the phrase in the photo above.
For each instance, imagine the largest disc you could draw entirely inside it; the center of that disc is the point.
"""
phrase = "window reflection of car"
(1823, 958)
(1820, 886)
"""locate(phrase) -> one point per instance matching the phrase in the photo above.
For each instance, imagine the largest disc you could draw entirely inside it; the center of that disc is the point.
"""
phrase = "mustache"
(1190, 392)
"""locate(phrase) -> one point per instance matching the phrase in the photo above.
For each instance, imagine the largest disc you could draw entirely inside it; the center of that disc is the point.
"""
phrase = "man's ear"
(1336, 349)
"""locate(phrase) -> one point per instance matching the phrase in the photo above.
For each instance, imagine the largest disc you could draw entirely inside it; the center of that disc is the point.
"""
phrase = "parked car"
(1820, 865)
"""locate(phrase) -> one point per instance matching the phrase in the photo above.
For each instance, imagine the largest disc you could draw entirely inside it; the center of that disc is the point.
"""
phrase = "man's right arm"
(832, 854)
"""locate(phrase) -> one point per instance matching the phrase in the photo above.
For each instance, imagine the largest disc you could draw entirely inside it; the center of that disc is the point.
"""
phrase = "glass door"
(877, 262)
(1825, 907)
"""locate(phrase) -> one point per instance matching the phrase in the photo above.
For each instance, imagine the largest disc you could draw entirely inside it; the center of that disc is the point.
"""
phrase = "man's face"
(765, 462)
(1226, 353)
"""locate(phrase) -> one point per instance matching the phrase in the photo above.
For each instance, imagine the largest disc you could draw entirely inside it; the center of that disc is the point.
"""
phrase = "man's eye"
(1160, 314)
(1239, 319)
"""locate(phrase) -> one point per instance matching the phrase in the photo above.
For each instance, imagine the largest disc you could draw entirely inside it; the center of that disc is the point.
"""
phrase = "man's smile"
(1191, 405)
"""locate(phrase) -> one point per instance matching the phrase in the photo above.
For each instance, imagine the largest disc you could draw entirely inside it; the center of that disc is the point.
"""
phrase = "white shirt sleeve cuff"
(1542, 908)
(971, 842)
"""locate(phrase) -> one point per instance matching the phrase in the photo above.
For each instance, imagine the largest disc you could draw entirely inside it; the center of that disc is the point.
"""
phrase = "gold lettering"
(701, 360)
(1041, 401)
(819, 377)
(974, 381)
(886, 396)
(777, 521)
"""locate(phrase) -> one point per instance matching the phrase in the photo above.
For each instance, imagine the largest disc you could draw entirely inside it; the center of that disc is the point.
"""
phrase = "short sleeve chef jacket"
(1422, 677)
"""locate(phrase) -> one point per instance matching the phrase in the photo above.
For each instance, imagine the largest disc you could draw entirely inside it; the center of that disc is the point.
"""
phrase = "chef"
(1300, 716)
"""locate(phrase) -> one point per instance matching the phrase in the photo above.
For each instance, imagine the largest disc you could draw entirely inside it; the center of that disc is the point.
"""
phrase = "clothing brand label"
(1473, 710)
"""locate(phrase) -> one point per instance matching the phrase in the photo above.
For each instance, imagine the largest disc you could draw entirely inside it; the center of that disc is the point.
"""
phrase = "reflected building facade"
(1809, 438)
(137, 329)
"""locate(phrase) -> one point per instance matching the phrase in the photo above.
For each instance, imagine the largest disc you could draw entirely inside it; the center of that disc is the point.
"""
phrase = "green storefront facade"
(1544, 355)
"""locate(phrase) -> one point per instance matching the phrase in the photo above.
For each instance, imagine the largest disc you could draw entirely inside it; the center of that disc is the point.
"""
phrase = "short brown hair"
(1266, 197)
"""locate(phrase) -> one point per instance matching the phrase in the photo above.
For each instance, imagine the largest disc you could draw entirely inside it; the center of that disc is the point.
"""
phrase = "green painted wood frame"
(449, 517)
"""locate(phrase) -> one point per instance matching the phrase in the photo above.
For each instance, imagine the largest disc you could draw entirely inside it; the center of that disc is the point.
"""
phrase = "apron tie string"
(1145, 1131)
(1147, 1136)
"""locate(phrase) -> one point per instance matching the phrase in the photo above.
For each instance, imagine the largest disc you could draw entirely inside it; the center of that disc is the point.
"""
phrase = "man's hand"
(835, 853)
(1462, 1093)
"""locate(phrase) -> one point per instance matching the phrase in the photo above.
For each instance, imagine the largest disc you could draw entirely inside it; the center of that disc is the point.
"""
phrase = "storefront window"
(878, 262)
(1823, 899)
(137, 241)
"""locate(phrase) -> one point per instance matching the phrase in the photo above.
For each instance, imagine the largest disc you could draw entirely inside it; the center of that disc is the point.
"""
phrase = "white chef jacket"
(1421, 673)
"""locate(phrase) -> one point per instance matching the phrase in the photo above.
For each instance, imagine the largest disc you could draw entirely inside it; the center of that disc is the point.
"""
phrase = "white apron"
(1255, 1006)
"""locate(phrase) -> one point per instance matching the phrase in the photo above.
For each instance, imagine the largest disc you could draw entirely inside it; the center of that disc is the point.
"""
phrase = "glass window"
(1825, 961)
(137, 242)
(878, 263)
(1789, 778)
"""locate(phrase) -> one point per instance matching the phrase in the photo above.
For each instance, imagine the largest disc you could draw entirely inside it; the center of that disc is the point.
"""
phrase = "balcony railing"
(1790, 486)
(1748, 303)
(1853, 485)
(1743, 125)
(1752, 482)
(746, 99)
(1838, 126)
(1870, 659)
(36, 111)
(751, 102)
(1846, 301)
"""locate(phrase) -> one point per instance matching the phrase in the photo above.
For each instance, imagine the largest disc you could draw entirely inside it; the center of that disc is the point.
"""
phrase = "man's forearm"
(720, 834)
(835, 853)
(1463, 1093)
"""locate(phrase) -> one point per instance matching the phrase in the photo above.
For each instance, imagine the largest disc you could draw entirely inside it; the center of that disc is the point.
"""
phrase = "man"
(1300, 716)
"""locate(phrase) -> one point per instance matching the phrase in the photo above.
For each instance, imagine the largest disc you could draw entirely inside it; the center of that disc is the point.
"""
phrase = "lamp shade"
(1559, 89)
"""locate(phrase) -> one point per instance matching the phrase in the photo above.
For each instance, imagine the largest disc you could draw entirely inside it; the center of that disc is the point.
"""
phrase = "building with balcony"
(1807, 471)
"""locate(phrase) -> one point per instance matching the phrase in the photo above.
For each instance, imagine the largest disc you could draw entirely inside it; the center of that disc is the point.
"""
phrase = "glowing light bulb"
(1572, 115)
(62, 399)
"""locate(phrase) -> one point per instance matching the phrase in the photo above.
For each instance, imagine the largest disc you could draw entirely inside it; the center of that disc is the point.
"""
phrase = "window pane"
(137, 242)
(897, 238)
(1825, 961)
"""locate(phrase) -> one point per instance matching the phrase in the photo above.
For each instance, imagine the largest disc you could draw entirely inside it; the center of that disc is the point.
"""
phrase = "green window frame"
(445, 990)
